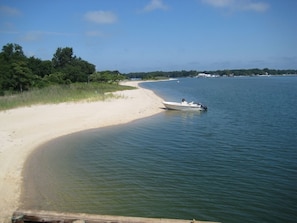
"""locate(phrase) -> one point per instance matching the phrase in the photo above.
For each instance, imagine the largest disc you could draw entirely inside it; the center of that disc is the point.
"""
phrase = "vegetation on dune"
(26, 81)
(61, 93)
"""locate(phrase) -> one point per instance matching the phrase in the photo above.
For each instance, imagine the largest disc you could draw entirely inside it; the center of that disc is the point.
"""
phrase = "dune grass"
(61, 93)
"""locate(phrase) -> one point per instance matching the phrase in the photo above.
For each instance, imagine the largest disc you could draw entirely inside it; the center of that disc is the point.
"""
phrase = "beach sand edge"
(23, 129)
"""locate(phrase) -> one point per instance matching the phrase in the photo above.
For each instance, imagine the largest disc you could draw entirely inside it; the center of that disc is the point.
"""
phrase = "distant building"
(206, 75)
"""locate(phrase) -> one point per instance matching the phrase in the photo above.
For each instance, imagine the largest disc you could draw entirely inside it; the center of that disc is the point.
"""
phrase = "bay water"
(237, 162)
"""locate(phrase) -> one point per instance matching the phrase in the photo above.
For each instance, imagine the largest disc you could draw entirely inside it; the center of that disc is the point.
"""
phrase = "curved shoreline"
(22, 130)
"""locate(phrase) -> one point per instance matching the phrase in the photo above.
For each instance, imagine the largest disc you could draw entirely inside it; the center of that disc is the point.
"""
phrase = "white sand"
(23, 129)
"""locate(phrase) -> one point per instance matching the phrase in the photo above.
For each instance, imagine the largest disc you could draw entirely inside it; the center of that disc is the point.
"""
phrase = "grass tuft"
(61, 93)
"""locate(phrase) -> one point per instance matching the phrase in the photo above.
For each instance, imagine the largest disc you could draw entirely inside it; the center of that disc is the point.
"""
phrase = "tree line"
(194, 73)
(20, 73)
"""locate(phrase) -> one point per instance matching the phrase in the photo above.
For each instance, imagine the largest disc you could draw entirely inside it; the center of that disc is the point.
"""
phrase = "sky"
(156, 35)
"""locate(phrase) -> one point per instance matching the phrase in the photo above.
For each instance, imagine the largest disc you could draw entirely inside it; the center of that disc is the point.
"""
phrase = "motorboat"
(185, 106)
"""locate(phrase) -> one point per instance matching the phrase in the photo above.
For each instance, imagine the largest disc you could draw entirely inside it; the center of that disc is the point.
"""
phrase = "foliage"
(14, 74)
(62, 57)
(107, 77)
(40, 67)
(56, 78)
(22, 76)
(13, 52)
(75, 69)
(19, 73)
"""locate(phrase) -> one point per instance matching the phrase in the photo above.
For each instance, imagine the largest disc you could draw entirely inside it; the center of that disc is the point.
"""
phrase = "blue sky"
(150, 35)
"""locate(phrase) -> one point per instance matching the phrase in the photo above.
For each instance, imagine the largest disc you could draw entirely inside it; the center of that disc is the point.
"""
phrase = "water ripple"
(235, 163)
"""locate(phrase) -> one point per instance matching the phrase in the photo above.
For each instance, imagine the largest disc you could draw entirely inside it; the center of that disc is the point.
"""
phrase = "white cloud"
(6, 10)
(101, 17)
(239, 5)
(154, 5)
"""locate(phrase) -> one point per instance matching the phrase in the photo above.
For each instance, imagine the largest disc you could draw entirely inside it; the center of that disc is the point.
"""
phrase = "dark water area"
(237, 162)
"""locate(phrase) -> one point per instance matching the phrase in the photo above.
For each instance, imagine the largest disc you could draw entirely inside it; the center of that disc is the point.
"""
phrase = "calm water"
(237, 162)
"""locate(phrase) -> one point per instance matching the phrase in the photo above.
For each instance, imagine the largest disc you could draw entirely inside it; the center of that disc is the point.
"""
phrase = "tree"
(79, 70)
(40, 67)
(4, 74)
(107, 77)
(62, 57)
(15, 75)
(22, 76)
(56, 78)
(17, 72)
(75, 69)
(13, 52)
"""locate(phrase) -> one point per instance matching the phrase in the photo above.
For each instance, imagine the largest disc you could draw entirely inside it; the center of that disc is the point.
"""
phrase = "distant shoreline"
(23, 129)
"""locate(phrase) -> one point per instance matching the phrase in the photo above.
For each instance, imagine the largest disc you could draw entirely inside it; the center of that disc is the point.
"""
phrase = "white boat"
(184, 106)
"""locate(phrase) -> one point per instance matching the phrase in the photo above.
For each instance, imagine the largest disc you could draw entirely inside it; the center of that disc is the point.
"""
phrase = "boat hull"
(184, 106)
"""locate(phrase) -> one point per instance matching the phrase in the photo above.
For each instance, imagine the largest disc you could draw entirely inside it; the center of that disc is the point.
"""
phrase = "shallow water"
(237, 162)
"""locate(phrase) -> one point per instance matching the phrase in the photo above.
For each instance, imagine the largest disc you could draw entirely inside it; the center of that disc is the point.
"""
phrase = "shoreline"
(23, 129)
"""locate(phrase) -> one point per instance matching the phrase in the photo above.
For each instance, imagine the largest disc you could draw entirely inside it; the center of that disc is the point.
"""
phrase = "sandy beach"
(23, 129)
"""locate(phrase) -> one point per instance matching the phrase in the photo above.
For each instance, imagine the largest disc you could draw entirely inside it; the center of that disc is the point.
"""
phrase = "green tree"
(75, 69)
(22, 76)
(79, 70)
(12, 51)
(107, 77)
(4, 74)
(40, 67)
(15, 75)
(62, 57)
(56, 78)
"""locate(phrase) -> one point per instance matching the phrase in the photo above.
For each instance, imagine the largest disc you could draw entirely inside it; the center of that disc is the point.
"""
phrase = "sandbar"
(24, 129)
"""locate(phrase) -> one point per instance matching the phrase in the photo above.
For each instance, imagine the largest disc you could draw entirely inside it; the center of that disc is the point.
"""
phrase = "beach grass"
(61, 93)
